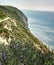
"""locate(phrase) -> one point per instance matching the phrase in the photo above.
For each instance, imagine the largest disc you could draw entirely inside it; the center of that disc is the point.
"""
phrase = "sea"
(41, 24)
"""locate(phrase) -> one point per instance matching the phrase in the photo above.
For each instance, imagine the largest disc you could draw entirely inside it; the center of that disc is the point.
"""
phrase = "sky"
(30, 4)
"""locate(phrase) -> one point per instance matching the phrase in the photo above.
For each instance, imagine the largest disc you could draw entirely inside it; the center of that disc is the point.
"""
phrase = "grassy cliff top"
(18, 46)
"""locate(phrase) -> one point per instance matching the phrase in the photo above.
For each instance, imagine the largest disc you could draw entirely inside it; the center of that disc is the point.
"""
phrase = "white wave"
(41, 30)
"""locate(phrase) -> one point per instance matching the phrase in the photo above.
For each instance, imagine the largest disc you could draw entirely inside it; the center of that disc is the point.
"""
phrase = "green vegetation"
(3, 30)
(2, 14)
(22, 50)
(14, 13)
(18, 53)
(1, 24)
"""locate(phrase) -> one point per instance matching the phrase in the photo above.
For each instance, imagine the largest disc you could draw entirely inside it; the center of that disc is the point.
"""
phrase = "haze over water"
(41, 24)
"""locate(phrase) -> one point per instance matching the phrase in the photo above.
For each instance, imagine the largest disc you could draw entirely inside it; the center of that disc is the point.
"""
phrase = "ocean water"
(41, 24)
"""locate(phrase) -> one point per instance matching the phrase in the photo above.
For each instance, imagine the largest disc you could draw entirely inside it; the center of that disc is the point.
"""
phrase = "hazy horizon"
(41, 5)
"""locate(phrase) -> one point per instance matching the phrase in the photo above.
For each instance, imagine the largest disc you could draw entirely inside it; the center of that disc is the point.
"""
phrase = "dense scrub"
(18, 53)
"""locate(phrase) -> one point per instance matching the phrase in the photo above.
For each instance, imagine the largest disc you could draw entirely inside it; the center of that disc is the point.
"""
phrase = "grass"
(3, 30)
(21, 50)
(2, 14)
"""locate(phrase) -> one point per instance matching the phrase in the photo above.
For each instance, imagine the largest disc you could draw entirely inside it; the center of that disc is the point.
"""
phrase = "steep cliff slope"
(17, 44)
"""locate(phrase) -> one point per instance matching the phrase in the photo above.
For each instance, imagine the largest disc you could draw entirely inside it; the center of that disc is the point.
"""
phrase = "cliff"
(18, 46)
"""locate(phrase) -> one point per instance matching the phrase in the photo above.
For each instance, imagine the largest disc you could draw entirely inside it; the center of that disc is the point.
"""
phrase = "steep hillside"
(18, 46)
